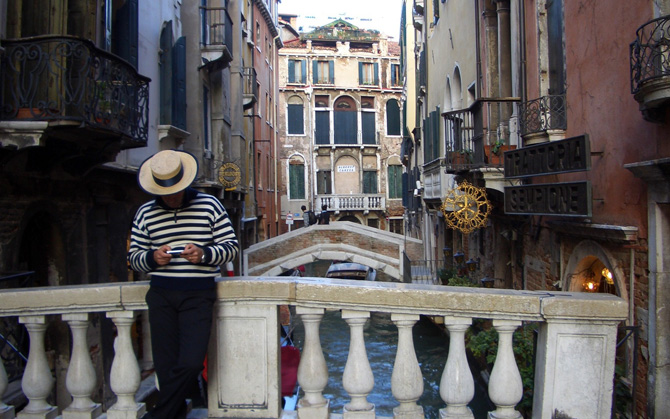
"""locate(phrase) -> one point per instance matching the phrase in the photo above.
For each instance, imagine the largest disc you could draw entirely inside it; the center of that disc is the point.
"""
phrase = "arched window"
(345, 121)
(392, 117)
(296, 116)
(296, 177)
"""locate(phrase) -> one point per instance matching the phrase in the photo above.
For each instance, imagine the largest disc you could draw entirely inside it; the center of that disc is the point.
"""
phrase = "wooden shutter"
(392, 118)
(166, 88)
(125, 32)
(322, 130)
(331, 72)
(291, 71)
(369, 133)
(295, 119)
(179, 84)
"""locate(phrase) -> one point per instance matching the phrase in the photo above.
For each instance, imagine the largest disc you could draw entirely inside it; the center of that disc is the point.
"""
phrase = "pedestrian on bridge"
(180, 238)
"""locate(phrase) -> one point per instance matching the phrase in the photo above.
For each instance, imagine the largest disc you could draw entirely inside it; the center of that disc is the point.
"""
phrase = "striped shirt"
(201, 220)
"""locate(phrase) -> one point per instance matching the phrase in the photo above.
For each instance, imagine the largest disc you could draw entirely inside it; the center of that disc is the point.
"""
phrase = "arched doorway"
(591, 268)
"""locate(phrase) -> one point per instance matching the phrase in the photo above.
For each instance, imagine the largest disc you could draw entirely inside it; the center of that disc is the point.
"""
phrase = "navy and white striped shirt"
(201, 220)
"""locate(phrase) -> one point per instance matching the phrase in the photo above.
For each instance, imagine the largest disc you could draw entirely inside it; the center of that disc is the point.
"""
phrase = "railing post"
(312, 370)
(80, 380)
(357, 378)
(125, 374)
(406, 379)
(6, 412)
(505, 385)
(37, 381)
(457, 387)
(147, 362)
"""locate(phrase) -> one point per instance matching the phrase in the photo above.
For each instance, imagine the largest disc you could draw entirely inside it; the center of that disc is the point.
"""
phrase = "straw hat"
(167, 172)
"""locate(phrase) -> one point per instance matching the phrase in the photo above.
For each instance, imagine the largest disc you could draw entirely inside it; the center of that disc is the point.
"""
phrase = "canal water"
(381, 335)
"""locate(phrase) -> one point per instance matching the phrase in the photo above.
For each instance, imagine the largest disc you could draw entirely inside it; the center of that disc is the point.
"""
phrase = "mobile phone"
(174, 252)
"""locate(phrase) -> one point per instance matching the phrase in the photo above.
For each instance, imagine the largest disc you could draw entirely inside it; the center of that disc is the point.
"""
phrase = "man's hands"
(191, 252)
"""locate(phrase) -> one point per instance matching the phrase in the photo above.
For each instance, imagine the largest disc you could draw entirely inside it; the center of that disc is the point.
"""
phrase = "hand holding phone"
(174, 252)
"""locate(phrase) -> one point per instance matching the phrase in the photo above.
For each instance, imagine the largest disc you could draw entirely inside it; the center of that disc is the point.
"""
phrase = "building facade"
(89, 90)
(340, 126)
(543, 154)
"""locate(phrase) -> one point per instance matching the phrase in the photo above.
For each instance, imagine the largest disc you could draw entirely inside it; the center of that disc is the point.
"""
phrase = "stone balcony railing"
(352, 202)
(574, 359)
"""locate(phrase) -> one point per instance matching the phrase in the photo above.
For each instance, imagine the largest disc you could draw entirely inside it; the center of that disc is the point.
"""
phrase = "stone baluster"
(357, 378)
(505, 385)
(406, 380)
(37, 381)
(147, 362)
(457, 387)
(312, 370)
(125, 374)
(6, 412)
(81, 379)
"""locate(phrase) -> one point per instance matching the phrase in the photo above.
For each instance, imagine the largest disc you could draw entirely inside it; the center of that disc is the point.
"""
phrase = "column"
(357, 378)
(457, 387)
(505, 385)
(406, 380)
(125, 374)
(312, 371)
(37, 381)
(81, 378)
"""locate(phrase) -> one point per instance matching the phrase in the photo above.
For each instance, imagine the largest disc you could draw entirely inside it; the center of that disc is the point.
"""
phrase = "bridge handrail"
(250, 305)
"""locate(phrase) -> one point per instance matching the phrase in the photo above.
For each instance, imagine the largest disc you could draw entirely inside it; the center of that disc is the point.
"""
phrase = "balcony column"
(147, 362)
(37, 380)
(406, 380)
(125, 373)
(457, 387)
(357, 379)
(6, 412)
(312, 370)
(505, 385)
(81, 378)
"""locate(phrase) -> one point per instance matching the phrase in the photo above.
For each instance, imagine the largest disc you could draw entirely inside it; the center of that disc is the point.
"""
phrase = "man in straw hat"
(180, 239)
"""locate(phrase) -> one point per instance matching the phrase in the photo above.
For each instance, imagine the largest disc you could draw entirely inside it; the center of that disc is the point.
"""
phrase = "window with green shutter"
(297, 71)
(369, 132)
(392, 117)
(322, 127)
(394, 181)
(296, 174)
(370, 181)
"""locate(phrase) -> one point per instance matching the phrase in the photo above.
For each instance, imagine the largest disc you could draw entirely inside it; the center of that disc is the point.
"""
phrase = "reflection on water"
(431, 345)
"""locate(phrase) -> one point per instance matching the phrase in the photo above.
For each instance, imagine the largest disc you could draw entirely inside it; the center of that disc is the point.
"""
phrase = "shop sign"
(569, 155)
(571, 199)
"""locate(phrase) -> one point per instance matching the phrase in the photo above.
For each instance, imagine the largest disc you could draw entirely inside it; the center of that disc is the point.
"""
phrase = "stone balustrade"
(574, 360)
(352, 202)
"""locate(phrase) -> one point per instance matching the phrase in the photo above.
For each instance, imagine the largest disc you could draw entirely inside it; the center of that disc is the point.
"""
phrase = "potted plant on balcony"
(494, 152)
(460, 157)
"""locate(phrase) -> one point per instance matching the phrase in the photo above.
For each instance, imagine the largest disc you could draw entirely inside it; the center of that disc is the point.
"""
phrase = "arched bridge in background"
(339, 240)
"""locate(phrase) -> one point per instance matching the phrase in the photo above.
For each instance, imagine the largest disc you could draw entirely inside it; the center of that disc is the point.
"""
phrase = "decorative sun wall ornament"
(466, 208)
(229, 175)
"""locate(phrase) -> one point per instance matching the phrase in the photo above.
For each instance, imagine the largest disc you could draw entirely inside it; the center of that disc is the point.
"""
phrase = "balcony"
(543, 119)
(352, 202)
(216, 39)
(250, 87)
(65, 92)
(650, 67)
(567, 322)
(475, 137)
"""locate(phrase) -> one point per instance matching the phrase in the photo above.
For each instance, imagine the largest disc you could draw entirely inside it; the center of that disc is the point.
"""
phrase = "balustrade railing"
(50, 78)
(352, 202)
(246, 341)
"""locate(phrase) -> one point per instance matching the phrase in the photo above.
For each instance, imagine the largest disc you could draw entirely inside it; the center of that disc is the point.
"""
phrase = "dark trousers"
(180, 323)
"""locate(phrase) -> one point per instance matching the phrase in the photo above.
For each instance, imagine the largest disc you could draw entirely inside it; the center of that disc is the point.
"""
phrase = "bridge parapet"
(575, 351)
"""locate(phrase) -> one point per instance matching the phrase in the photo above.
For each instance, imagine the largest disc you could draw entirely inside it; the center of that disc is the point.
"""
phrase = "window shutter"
(346, 127)
(331, 72)
(179, 84)
(322, 130)
(125, 32)
(315, 72)
(291, 71)
(166, 41)
(368, 129)
(392, 118)
(376, 68)
(295, 119)
(361, 81)
(303, 71)
(297, 181)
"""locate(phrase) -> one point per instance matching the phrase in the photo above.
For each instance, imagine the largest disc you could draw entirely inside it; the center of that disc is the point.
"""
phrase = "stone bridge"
(339, 240)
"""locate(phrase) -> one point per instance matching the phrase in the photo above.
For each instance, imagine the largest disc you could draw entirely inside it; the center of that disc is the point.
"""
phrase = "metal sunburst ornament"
(466, 208)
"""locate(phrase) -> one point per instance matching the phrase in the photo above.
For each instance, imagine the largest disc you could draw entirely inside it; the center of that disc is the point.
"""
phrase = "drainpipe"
(631, 296)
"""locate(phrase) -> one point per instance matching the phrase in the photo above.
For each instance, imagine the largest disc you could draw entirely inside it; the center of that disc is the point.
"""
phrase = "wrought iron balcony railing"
(542, 114)
(650, 53)
(217, 27)
(50, 78)
(476, 136)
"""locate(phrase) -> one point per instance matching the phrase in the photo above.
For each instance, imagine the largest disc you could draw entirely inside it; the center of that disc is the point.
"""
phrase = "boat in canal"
(351, 270)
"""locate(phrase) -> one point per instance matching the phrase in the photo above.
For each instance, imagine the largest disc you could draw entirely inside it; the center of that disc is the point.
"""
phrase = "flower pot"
(497, 158)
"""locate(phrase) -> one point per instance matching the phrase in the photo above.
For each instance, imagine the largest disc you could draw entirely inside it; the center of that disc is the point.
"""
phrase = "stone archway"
(589, 256)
